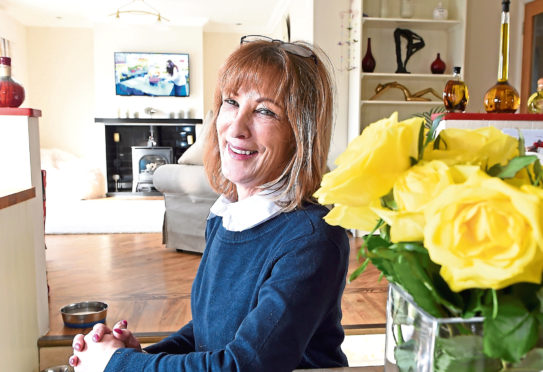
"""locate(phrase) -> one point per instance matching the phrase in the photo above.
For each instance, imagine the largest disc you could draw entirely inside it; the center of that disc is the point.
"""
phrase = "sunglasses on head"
(291, 48)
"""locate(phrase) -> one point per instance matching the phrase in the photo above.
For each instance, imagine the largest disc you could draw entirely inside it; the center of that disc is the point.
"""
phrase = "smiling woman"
(267, 295)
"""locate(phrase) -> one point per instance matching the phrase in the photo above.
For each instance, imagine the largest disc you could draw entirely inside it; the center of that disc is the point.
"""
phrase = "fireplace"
(145, 160)
(136, 147)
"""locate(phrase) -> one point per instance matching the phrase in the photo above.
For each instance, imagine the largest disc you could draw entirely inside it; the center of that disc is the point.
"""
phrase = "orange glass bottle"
(455, 94)
(503, 97)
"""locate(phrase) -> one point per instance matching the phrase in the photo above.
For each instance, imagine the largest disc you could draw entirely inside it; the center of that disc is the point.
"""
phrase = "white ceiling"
(243, 16)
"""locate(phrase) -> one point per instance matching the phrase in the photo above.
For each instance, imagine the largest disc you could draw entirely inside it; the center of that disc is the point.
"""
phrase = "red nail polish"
(124, 322)
(71, 361)
(117, 330)
(96, 338)
(77, 346)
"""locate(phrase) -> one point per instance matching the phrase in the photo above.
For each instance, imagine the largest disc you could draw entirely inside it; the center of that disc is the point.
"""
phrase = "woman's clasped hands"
(93, 351)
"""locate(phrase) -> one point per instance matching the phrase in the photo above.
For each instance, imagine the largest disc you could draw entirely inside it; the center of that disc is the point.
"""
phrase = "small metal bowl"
(84, 314)
(63, 368)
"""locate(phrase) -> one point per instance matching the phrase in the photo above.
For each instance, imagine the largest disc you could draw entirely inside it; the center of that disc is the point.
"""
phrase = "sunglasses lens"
(296, 49)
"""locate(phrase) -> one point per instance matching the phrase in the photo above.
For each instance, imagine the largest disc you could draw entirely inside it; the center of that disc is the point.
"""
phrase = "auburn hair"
(305, 89)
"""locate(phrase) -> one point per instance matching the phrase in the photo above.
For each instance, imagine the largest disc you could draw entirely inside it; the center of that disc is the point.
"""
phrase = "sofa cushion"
(195, 153)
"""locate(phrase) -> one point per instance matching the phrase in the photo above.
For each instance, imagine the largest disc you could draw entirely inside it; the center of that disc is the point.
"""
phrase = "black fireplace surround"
(123, 134)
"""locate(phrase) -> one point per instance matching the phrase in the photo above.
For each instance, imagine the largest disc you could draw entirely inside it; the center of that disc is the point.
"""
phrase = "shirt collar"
(246, 213)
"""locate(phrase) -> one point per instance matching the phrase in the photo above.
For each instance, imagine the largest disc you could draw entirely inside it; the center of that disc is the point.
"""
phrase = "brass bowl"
(84, 314)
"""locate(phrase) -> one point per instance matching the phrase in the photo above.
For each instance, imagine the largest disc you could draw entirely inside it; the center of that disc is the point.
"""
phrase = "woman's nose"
(239, 126)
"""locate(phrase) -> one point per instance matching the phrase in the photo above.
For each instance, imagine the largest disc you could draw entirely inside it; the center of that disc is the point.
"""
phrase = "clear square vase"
(419, 342)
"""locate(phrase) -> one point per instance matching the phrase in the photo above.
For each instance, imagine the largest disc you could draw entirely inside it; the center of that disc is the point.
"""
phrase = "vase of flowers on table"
(455, 222)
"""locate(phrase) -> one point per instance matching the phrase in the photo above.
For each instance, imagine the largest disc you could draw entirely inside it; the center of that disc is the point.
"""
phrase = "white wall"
(61, 79)
(319, 22)
(217, 47)
(482, 48)
(111, 38)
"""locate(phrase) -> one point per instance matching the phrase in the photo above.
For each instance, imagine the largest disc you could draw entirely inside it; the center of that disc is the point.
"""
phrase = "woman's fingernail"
(95, 337)
(124, 323)
(71, 361)
(117, 330)
(77, 346)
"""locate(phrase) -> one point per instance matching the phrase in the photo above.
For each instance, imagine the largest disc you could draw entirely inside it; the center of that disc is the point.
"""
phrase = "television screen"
(152, 74)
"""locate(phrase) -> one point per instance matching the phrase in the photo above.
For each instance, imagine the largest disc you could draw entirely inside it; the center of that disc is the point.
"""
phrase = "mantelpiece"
(147, 121)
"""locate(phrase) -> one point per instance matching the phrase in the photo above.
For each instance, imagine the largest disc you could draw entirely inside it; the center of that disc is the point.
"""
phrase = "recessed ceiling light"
(59, 17)
(239, 24)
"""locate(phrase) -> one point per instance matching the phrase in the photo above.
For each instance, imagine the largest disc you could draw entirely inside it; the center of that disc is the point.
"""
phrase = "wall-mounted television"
(152, 74)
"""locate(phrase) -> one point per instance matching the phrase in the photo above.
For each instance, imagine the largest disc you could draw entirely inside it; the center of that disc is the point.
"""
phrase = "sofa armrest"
(183, 179)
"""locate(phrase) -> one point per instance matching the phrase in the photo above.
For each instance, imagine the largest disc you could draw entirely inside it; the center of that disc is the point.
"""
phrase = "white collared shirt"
(246, 213)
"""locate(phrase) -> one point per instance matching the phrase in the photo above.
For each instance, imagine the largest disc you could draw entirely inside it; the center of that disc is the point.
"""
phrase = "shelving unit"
(446, 37)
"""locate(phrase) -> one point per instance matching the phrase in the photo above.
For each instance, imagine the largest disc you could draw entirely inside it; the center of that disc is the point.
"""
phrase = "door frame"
(530, 10)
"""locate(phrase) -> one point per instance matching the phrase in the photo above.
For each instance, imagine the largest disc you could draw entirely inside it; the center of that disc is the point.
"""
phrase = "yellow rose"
(482, 146)
(412, 191)
(371, 163)
(360, 218)
(485, 234)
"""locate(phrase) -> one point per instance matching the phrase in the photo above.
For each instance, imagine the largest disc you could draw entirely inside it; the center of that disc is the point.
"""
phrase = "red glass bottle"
(438, 66)
(12, 94)
(368, 62)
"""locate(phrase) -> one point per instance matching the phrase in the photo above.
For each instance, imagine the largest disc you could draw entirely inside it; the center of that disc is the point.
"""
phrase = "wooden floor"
(149, 286)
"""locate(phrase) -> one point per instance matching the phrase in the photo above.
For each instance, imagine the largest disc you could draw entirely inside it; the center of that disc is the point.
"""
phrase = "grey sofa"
(187, 196)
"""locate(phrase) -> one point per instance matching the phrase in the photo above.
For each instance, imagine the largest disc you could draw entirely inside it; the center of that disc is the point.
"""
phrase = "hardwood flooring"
(149, 286)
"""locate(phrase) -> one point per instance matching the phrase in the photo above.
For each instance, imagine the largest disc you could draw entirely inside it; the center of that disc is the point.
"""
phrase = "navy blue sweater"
(264, 299)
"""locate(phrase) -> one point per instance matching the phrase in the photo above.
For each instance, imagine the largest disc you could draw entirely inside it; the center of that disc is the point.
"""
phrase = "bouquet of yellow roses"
(459, 217)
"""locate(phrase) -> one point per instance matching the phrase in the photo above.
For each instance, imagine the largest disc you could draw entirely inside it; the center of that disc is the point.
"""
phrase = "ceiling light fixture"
(139, 7)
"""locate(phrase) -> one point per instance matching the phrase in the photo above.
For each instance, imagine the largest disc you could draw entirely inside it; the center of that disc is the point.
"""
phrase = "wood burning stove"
(145, 160)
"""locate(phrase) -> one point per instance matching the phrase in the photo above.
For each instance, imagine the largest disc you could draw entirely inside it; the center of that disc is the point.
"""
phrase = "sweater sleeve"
(181, 342)
(303, 289)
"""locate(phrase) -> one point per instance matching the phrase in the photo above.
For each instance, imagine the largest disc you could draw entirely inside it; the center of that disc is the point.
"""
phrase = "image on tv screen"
(152, 74)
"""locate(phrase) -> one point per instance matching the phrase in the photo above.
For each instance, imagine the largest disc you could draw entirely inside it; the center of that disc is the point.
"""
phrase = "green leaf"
(463, 353)
(359, 270)
(512, 333)
(420, 144)
(405, 356)
(521, 143)
(433, 128)
(512, 168)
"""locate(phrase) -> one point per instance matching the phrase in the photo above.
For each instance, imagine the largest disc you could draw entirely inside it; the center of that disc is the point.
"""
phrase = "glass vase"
(417, 341)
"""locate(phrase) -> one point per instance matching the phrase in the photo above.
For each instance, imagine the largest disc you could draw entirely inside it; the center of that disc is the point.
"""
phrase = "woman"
(267, 295)
(179, 81)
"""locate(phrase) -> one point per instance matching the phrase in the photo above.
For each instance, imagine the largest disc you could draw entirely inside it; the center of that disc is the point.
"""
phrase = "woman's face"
(255, 138)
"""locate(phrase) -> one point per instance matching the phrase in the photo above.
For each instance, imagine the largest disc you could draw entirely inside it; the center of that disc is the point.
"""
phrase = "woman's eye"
(230, 101)
(267, 112)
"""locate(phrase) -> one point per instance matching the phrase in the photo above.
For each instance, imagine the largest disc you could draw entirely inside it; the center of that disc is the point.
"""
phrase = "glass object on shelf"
(383, 9)
(535, 102)
(440, 12)
(406, 8)
(438, 66)
(503, 97)
(12, 94)
(417, 341)
(455, 94)
(368, 62)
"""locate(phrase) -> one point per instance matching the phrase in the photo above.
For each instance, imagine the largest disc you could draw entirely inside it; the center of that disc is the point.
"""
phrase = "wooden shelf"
(400, 103)
(397, 76)
(17, 197)
(427, 24)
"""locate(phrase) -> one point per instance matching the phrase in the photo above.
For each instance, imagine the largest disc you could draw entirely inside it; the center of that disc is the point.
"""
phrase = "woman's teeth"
(241, 152)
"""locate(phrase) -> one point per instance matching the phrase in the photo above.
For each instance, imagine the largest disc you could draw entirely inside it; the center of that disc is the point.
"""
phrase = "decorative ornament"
(414, 44)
